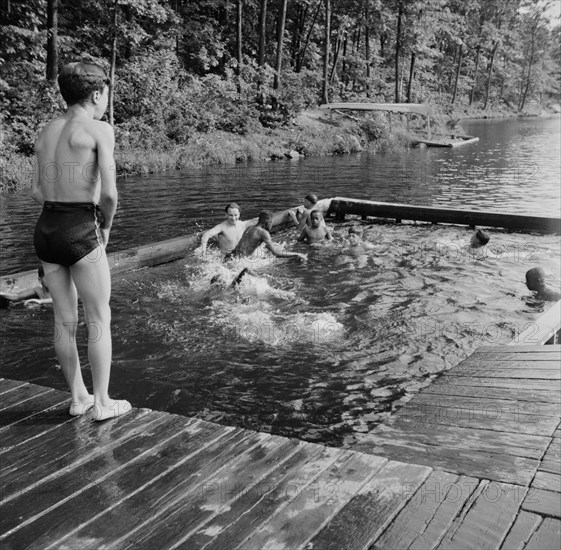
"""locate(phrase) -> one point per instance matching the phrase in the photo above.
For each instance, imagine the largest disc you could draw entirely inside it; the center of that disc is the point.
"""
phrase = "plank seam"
(227, 430)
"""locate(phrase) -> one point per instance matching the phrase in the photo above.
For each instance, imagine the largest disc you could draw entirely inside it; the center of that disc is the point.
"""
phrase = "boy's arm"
(304, 235)
(216, 230)
(106, 166)
(277, 250)
(328, 235)
(303, 220)
(36, 192)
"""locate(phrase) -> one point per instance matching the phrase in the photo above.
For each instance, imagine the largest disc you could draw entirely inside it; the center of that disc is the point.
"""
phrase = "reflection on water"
(321, 350)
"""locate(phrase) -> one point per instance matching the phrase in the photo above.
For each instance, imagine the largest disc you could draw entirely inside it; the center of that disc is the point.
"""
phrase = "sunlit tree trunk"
(327, 47)
(262, 33)
(411, 75)
(398, 50)
(110, 111)
(280, 43)
(458, 68)
(489, 73)
(472, 93)
(52, 39)
(239, 9)
(302, 54)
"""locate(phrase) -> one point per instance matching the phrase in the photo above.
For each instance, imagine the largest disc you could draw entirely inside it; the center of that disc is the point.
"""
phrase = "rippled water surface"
(327, 349)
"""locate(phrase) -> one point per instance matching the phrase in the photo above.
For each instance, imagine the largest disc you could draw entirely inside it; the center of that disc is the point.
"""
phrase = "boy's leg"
(65, 306)
(93, 282)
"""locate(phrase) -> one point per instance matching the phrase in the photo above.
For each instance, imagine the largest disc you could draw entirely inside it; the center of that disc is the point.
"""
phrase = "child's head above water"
(265, 219)
(315, 218)
(479, 239)
(535, 278)
(355, 234)
(310, 200)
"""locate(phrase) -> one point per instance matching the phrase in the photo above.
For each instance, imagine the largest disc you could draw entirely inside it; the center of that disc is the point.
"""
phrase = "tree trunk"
(367, 47)
(527, 85)
(398, 50)
(489, 72)
(239, 10)
(411, 74)
(301, 55)
(327, 47)
(52, 39)
(336, 57)
(280, 43)
(262, 32)
(110, 111)
(472, 94)
(458, 68)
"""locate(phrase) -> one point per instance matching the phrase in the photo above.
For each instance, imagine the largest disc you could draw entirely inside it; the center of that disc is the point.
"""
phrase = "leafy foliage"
(179, 71)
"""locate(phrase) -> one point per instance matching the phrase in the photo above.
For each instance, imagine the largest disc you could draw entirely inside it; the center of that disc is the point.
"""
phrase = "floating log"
(340, 206)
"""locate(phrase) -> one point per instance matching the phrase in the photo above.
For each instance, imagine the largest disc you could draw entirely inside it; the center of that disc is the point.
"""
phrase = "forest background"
(219, 81)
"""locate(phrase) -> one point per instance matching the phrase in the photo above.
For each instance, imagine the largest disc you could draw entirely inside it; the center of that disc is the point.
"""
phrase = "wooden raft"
(158, 480)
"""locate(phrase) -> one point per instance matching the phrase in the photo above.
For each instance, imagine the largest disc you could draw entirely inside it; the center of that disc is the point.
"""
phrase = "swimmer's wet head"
(315, 218)
(478, 239)
(265, 219)
(310, 200)
(233, 213)
(355, 235)
(535, 278)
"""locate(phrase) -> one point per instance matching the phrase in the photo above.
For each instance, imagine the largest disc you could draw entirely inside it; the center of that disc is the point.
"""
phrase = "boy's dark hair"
(265, 218)
(355, 230)
(482, 237)
(78, 80)
(232, 205)
(318, 212)
(311, 198)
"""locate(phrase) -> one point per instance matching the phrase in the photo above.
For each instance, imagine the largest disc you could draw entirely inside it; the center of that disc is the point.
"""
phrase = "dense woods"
(183, 69)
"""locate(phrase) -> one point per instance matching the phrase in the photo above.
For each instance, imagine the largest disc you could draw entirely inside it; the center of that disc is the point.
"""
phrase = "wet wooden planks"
(156, 480)
(493, 416)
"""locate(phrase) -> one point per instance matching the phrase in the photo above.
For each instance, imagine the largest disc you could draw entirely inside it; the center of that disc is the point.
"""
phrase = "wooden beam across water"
(341, 206)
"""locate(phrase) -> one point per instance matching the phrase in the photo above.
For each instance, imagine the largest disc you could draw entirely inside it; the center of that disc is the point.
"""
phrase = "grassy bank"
(311, 133)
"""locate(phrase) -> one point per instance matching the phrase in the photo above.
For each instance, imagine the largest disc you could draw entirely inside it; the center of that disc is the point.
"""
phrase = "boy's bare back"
(72, 152)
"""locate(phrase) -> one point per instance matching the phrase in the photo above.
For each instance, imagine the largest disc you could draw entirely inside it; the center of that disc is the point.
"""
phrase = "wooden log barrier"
(340, 206)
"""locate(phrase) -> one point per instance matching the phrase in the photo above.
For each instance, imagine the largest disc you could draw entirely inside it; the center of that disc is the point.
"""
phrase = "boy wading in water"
(75, 183)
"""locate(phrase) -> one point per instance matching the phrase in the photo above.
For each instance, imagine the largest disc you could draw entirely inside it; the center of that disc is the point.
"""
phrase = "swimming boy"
(535, 280)
(75, 183)
(36, 295)
(258, 234)
(228, 232)
(302, 218)
(356, 246)
(316, 232)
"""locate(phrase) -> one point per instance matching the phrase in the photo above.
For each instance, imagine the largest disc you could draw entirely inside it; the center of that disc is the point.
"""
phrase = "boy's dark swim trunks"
(67, 231)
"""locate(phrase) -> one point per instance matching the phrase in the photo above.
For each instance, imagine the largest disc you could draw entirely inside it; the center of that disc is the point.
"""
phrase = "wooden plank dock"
(473, 461)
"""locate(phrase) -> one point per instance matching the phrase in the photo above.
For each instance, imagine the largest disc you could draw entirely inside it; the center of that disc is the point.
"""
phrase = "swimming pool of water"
(323, 350)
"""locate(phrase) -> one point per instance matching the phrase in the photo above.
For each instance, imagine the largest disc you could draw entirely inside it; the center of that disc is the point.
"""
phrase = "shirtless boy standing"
(228, 232)
(75, 183)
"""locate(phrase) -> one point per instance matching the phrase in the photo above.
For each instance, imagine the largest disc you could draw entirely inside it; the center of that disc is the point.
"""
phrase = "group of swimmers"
(71, 235)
